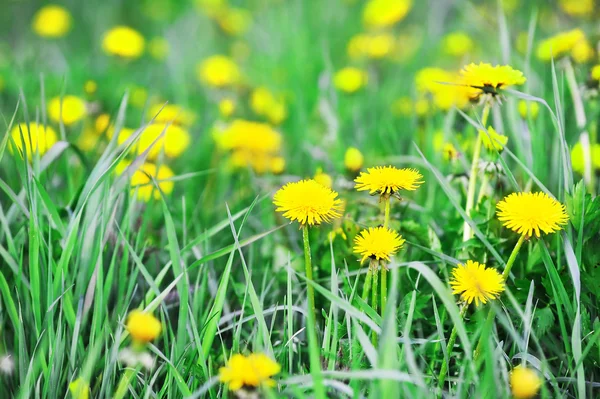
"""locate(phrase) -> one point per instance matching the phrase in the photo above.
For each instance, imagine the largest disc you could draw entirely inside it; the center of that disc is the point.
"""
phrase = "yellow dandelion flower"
(90, 87)
(234, 21)
(357, 46)
(353, 159)
(559, 45)
(473, 281)
(124, 42)
(577, 8)
(71, 109)
(529, 213)
(578, 159)
(384, 13)
(173, 142)
(218, 71)
(524, 382)
(142, 326)
(226, 107)
(80, 389)
(386, 180)
(323, 178)
(250, 371)
(582, 52)
(377, 243)
(439, 84)
(158, 47)
(457, 44)
(350, 79)
(485, 78)
(254, 137)
(212, 8)
(449, 152)
(380, 45)
(529, 108)
(102, 123)
(493, 140)
(595, 73)
(52, 21)
(37, 138)
(307, 202)
(88, 140)
(277, 165)
(261, 100)
(171, 113)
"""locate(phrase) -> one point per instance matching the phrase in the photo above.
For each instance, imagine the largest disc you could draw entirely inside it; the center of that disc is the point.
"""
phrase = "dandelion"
(493, 140)
(173, 142)
(350, 79)
(226, 107)
(530, 213)
(52, 21)
(560, 44)
(528, 108)
(582, 52)
(171, 113)
(323, 178)
(577, 8)
(379, 243)
(578, 158)
(142, 183)
(375, 46)
(264, 103)
(473, 281)
(102, 123)
(388, 180)
(37, 137)
(143, 327)
(385, 13)
(124, 42)
(524, 382)
(250, 371)
(307, 202)
(484, 78)
(234, 21)
(353, 159)
(437, 83)
(457, 44)
(90, 87)
(80, 389)
(69, 109)
(218, 71)
(277, 165)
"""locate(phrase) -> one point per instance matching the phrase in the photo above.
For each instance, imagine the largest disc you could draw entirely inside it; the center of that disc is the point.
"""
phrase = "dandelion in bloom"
(350, 79)
(124, 42)
(560, 44)
(353, 159)
(474, 282)
(307, 202)
(37, 138)
(141, 181)
(226, 107)
(277, 165)
(218, 71)
(457, 44)
(250, 371)
(493, 140)
(52, 21)
(577, 8)
(531, 213)
(375, 46)
(379, 243)
(578, 159)
(69, 109)
(524, 382)
(142, 326)
(484, 78)
(173, 142)
(171, 113)
(385, 13)
(264, 103)
(323, 178)
(388, 180)
(437, 83)
(234, 21)
(80, 389)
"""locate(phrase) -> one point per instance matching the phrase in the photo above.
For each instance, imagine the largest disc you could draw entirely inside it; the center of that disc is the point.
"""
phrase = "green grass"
(225, 274)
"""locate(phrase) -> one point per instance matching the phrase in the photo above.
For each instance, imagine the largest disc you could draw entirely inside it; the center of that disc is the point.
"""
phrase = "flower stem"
(311, 328)
(473, 174)
(374, 297)
(386, 212)
(383, 287)
(491, 313)
(367, 286)
(451, 340)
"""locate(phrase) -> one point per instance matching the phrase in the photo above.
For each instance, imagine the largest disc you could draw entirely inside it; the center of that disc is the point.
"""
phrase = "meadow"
(299, 199)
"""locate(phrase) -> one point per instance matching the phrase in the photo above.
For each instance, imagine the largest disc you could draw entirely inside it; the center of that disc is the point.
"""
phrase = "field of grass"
(143, 247)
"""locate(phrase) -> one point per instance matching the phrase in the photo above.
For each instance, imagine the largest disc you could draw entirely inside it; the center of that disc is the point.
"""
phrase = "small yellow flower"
(142, 326)
(487, 79)
(264, 103)
(171, 113)
(595, 73)
(387, 180)
(374, 46)
(234, 21)
(70, 109)
(449, 152)
(226, 107)
(37, 138)
(377, 243)
(80, 389)
(350, 79)
(124, 42)
(307, 201)
(353, 159)
(173, 142)
(323, 178)
(385, 13)
(249, 371)
(88, 140)
(158, 47)
(473, 281)
(582, 52)
(529, 213)
(493, 140)
(90, 87)
(251, 136)
(52, 21)
(560, 44)
(439, 84)
(524, 382)
(102, 123)
(577, 8)
(142, 184)
(457, 44)
(528, 108)
(277, 165)
(218, 71)
(578, 160)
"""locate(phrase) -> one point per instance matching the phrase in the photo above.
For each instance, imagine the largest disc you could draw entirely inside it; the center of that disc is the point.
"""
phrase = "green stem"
(451, 340)
(367, 286)
(473, 174)
(374, 297)
(311, 328)
(383, 287)
(123, 386)
(491, 314)
(386, 214)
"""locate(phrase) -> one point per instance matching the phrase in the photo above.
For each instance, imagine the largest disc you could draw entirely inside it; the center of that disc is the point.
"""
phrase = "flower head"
(524, 382)
(473, 281)
(437, 83)
(323, 178)
(249, 371)
(141, 180)
(171, 113)
(350, 79)
(70, 109)
(560, 44)
(529, 108)
(488, 79)
(353, 159)
(142, 326)
(234, 21)
(123, 42)
(374, 46)
(51, 21)
(457, 44)
(37, 138)
(385, 13)
(218, 71)
(264, 103)
(226, 107)
(577, 8)
(578, 158)
(307, 202)
(377, 243)
(529, 213)
(173, 142)
(387, 180)
(493, 140)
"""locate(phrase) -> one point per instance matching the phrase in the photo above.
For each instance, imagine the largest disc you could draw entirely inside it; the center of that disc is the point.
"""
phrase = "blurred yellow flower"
(307, 201)
(353, 159)
(277, 165)
(578, 160)
(559, 45)
(158, 47)
(264, 103)
(350, 79)
(595, 73)
(449, 152)
(88, 140)
(577, 8)
(124, 42)
(582, 52)
(252, 136)
(36, 138)
(374, 46)
(529, 213)
(80, 389)
(171, 113)
(379, 243)
(440, 85)
(249, 371)
(402, 106)
(484, 78)
(234, 21)
(387, 180)
(457, 44)
(102, 123)
(218, 71)
(52, 21)
(211, 7)
(90, 87)
(524, 382)
(493, 140)
(226, 107)
(384, 13)
(173, 142)
(70, 109)
(142, 326)
(323, 178)
(474, 282)
(528, 108)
